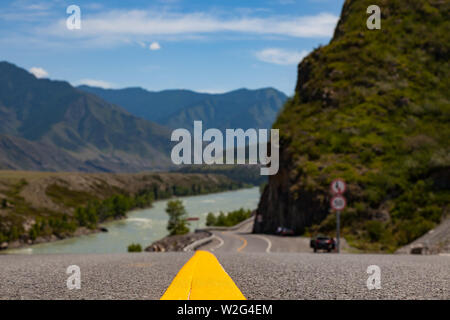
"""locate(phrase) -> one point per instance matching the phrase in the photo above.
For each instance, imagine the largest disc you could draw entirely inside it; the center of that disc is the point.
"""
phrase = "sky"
(202, 45)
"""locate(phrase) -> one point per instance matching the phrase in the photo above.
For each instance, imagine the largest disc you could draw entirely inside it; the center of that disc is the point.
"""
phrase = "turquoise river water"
(147, 225)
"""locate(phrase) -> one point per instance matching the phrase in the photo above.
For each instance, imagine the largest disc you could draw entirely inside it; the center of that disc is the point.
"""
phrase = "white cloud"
(96, 83)
(148, 23)
(25, 11)
(141, 43)
(39, 72)
(154, 46)
(281, 56)
(213, 90)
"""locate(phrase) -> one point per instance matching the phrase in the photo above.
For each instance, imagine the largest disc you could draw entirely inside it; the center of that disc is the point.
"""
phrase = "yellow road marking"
(202, 278)
(244, 241)
(243, 245)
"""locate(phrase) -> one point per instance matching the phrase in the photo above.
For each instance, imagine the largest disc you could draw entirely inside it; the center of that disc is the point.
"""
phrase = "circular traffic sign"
(338, 186)
(338, 203)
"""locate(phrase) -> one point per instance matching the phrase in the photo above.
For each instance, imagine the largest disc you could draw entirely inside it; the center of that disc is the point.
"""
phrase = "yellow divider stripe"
(202, 278)
(211, 282)
(180, 288)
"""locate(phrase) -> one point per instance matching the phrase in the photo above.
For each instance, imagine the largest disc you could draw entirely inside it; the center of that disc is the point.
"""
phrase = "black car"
(322, 243)
(284, 231)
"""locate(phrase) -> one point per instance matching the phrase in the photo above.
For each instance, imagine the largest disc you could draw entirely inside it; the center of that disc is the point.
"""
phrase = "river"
(144, 226)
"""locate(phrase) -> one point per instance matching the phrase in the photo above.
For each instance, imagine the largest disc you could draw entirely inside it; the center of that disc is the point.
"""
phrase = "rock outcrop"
(372, 108)
(176, 243)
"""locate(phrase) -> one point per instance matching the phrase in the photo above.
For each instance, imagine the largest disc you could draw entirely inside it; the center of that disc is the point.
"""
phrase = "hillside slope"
(78, 131)
(179, 108)
(371, 107)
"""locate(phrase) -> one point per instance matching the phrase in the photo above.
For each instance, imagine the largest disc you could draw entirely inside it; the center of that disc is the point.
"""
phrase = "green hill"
(371, 107)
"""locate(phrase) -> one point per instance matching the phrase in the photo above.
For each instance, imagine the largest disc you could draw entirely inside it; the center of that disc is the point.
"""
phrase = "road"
(257, 273)
(242, 240)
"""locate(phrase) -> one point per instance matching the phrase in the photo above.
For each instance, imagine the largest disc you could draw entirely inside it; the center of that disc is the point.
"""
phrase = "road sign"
(338, 186)
(338, 203)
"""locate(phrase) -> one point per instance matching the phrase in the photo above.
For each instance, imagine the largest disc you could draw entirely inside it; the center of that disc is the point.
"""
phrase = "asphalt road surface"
(242, 240)
(254, 262)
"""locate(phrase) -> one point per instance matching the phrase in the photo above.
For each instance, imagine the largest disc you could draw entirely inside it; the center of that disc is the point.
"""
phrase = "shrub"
(135, 247)
(3, 238)
(33, 234)
(227, 220)
(13, 233)
(409, 230)
(211, 219)
(374, 230)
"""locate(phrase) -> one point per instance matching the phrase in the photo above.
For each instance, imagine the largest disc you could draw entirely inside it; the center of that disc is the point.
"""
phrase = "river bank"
(81, 231)
(39, 207)
(177, 243)
(145, 226)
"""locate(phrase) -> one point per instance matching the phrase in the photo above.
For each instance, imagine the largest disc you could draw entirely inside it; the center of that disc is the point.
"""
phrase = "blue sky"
(202, 45)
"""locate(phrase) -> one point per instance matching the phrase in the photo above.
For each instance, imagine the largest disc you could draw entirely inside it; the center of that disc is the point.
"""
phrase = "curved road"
(242, 240)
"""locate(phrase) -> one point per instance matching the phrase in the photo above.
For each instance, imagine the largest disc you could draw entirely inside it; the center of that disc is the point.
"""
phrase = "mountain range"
(241, 108)
(52, 126)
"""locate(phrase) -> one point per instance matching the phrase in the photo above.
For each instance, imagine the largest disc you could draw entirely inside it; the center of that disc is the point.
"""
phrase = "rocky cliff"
(372, 107)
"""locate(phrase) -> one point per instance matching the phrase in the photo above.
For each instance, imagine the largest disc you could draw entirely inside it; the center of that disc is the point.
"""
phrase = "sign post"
(338, 231)
(338, 204)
